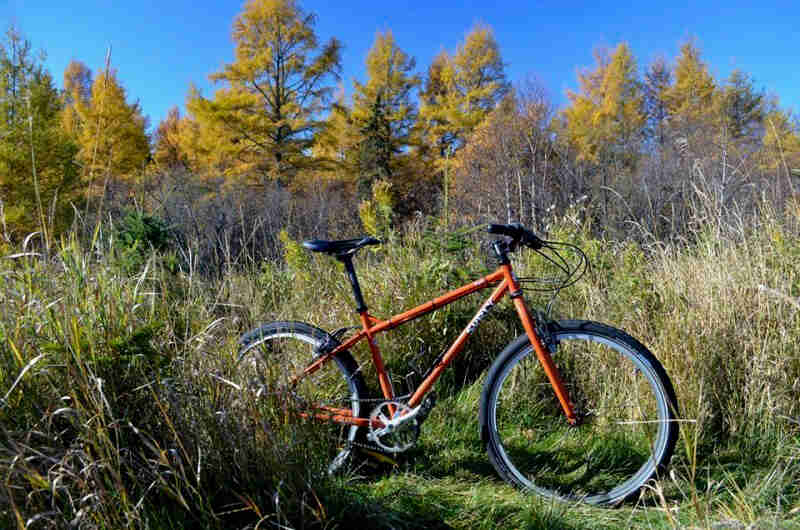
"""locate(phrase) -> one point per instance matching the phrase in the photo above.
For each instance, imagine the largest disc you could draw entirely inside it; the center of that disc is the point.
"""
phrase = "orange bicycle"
(573, 410)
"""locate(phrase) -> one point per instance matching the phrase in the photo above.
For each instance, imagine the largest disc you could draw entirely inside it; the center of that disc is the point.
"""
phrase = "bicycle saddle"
(340, 248)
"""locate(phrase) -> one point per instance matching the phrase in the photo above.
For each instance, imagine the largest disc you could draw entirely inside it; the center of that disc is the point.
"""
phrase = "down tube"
(458, 345)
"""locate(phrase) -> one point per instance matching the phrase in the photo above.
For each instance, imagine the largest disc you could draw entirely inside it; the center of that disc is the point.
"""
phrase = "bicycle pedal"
(379, 456)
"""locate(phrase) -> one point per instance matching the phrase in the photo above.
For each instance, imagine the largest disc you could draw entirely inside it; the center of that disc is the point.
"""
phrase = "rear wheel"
(271, 355)
(625, 404)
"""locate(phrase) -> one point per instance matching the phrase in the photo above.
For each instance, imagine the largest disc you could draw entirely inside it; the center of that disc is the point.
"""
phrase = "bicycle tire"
(275, 352)
(626, 408)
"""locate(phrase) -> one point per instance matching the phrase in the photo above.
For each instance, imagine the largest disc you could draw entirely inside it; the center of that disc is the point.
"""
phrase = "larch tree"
(337, 143)
(168, 152)
(274, 91)
(112, 137)
(462, 89)
(605, 121)
(606, 117)
(76, 96)
(780, 147)
(690, 99)
(37, 176)
(433, 120)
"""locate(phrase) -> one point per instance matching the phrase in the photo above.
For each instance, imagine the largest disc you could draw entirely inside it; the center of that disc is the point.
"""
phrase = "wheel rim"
(275, 358)
(623, 412)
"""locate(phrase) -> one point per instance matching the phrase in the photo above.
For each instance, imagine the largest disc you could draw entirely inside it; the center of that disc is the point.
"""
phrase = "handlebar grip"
(518, 233)
(497, 229)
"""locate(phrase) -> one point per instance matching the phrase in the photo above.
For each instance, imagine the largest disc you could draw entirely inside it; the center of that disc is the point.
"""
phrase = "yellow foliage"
(780, 147)
(606, 117)
(293, 252)
(462, 89)
(690, 99)
(265, 116)
(390, 76)
(111, 136)
(376, 213)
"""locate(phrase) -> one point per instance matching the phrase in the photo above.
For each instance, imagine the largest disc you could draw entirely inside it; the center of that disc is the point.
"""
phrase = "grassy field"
(117, 409)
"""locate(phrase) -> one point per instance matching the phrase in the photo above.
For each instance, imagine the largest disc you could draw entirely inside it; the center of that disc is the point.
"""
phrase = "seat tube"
(550, 369)
(377, 359)
(361, 308)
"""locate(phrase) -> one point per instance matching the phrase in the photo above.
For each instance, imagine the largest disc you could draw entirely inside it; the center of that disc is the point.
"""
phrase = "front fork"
(542, 352)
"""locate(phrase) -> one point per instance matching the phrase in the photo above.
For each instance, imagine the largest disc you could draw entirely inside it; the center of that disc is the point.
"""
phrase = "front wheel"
(626, 409)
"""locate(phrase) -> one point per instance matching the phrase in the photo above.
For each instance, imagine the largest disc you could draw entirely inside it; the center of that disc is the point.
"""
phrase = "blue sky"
(160, 47)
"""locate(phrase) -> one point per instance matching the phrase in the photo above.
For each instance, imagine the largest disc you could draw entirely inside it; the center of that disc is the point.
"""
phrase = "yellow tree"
(690, 99)
(605, 121)
(77, 94)
(111, 137)
(168, 152)
(336, 144)
(462, 89)
(780, 149)
(274, 91)
(606, 117)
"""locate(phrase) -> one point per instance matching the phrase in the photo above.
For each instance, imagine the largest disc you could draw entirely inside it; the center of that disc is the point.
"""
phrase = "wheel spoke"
(624, 433)
(276, 355)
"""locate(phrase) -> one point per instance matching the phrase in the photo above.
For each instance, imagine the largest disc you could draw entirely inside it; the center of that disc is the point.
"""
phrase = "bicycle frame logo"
(480, 315)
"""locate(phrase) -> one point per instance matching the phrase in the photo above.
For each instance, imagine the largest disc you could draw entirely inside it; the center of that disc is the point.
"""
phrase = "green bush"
(137, 235)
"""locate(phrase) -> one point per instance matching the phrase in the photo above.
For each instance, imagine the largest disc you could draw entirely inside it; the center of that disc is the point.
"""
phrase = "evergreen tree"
(376, 150)
(385, 115)
(390, 82)
(657, 81)
(739, 107)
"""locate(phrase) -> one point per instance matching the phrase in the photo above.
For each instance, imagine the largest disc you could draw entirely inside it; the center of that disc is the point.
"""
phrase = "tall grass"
(121, 409)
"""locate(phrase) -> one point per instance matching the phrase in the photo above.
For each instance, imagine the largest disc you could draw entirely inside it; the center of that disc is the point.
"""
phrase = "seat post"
(347, 259)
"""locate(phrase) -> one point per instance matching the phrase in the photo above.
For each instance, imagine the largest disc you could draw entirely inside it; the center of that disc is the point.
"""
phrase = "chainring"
(389, 431)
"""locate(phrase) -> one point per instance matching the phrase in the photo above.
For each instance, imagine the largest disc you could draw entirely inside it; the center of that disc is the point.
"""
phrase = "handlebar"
(518, 233)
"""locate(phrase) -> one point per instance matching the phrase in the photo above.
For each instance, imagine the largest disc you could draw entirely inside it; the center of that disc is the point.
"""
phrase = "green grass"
(118, 410)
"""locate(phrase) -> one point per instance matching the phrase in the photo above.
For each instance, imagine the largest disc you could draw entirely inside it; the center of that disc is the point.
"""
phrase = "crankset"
(393, 426)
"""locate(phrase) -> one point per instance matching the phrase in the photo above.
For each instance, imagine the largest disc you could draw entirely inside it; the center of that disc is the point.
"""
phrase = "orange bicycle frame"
(506, 283)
